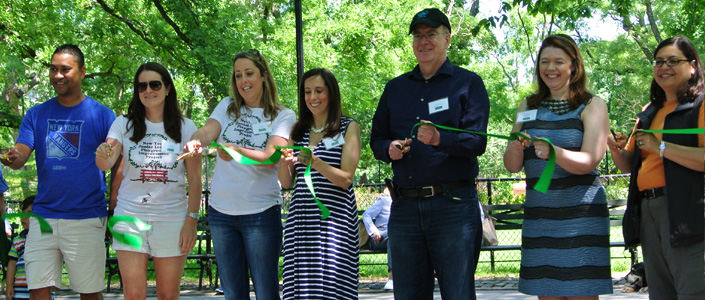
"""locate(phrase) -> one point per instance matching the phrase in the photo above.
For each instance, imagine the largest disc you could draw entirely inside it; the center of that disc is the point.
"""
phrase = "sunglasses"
(155, 85)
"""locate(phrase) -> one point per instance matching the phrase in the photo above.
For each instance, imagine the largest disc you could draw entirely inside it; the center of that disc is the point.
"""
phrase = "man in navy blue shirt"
(435, 219)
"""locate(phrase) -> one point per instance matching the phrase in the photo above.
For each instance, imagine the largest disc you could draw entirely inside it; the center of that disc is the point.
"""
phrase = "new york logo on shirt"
(63, 138)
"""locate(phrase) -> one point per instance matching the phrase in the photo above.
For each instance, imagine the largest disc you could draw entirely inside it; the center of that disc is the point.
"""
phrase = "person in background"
(321, 255)
(565, 236)
(150, 138)
(64, 133)
(5, 243)
(16, 280)
(376, 218)
(667, 173)
(435, 221)
(245, 205)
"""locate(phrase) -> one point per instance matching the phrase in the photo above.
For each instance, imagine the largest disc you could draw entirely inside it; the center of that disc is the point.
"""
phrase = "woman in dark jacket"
(667, 174)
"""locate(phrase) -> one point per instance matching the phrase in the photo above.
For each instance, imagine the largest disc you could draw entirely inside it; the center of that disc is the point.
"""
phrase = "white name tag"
(261, 128)
(337, 141)
(169, 147)
(438, 105)
(526, 116)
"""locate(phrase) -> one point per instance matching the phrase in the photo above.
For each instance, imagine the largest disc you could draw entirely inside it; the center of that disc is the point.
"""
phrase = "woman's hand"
(542, 148)
(647, 141)
(224, 155)
(617, 141)
(193, 148)
(106, 149)
(188, 236)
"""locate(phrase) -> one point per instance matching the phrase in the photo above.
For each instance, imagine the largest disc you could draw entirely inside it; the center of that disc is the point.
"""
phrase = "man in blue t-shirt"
(64, 133)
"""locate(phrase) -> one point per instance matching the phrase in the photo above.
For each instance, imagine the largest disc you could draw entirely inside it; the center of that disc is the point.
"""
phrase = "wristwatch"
(661, 147)
(194, 215)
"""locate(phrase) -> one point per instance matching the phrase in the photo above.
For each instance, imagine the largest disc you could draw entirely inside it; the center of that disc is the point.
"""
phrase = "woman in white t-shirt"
(150, 138)
(244, 214)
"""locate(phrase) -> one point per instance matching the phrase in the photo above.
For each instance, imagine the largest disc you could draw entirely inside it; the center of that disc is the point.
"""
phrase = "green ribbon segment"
(246, 160)
(44, 226)
(274, 158)
(676, 131)
(544, 180)
(130, 239)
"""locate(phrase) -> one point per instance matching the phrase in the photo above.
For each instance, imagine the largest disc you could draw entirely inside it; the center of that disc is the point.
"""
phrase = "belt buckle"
(433, 191)
(648, 194)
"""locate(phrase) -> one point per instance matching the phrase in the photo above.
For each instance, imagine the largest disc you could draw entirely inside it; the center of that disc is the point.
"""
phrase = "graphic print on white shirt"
(154, 163)
(242, 133)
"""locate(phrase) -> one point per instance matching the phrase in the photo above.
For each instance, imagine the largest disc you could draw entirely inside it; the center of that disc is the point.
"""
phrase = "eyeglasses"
(671, 62)
(429, 36)
(155, 85)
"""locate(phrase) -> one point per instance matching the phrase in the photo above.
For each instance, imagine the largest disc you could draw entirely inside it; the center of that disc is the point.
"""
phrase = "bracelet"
(661, 147)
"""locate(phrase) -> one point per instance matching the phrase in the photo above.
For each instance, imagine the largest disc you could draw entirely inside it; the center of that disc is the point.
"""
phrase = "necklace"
(319, 130)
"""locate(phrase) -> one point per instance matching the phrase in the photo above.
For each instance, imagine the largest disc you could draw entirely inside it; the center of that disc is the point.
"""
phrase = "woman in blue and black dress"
(321, 255)
(565, 236)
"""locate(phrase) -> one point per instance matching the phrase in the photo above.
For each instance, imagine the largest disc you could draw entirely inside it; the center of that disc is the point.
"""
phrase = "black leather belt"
(652, 193)
(432, 190)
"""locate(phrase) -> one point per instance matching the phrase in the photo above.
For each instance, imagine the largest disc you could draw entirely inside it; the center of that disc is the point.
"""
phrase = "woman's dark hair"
(27, 202)
(270, 103)
(694, 86)
(136, 113)
(578, 93)
(335, 110)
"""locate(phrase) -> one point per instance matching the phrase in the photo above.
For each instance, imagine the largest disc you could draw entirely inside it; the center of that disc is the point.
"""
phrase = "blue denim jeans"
(248, 242)
(441, 233)
(382, 245)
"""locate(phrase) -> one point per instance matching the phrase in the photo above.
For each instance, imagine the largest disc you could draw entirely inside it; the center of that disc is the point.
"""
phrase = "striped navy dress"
(565, 236)
(321, 256)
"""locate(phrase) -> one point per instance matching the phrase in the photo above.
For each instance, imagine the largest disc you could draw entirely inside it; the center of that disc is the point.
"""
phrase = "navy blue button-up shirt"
(405, 102)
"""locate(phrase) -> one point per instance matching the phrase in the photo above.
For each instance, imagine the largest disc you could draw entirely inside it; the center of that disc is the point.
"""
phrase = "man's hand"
(377, 237)
(397, 148)
(428, 134)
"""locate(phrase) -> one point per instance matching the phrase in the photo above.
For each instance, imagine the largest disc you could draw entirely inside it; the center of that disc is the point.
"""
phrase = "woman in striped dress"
(321, 255)
(565, 237)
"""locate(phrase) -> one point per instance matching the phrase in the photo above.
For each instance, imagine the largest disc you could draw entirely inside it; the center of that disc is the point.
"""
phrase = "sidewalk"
(504, 289)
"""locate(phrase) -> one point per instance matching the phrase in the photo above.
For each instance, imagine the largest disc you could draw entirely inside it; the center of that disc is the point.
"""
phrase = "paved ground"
(504, 289)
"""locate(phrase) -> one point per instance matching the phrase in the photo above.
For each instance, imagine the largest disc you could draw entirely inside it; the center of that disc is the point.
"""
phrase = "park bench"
(511, 216)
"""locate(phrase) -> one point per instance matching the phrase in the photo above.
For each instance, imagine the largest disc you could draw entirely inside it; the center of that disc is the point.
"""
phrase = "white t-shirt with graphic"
(239, 189)
(154, 187)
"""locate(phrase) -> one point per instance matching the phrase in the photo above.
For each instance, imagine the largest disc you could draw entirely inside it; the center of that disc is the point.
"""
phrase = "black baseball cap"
(431, 17)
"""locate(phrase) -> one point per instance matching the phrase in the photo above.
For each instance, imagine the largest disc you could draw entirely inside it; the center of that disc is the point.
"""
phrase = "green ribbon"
(44, 226)
(544, 180)
(325, 212)
(676, 131)
(128, 238)
(246, 160)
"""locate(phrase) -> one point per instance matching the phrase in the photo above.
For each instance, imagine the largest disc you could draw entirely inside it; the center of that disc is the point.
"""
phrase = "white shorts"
(162, 240)
(80, 244)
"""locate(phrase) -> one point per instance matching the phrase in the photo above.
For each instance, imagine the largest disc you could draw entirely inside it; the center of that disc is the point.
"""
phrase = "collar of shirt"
(446, 69)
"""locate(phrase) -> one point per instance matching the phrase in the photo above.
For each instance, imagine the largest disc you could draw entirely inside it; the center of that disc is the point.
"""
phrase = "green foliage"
(364, 43)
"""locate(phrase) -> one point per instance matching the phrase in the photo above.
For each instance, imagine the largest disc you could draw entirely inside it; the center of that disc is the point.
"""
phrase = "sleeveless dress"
(321, 256)
(565, 236)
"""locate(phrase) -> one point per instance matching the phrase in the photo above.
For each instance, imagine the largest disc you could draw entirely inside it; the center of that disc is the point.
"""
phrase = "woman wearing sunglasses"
(152, 189)
(244, 212)
(666, 185)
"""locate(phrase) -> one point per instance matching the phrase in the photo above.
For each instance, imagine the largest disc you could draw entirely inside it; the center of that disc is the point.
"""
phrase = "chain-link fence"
(502, 191)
